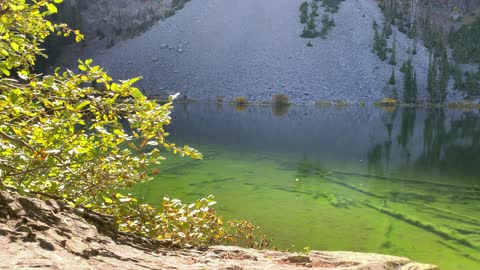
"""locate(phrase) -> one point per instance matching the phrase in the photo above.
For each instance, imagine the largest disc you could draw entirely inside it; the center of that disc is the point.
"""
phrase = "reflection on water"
(403, 182)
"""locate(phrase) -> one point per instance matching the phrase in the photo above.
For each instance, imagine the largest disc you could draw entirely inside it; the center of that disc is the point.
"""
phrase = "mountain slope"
(252, 48)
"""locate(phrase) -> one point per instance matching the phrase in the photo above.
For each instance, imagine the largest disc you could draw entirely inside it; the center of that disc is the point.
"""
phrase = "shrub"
(340, 103)
(241, 100)
(62, 138)
(321, 103)
(387, 102)
(280, 99)
(168, 13)
(219, 99)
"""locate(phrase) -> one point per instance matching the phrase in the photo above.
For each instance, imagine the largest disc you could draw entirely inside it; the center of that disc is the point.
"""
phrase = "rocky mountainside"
(210, 50)
(46, 235)
(104, 23)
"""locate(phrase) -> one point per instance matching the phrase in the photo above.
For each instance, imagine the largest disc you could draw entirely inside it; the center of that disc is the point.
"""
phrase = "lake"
(400, 181)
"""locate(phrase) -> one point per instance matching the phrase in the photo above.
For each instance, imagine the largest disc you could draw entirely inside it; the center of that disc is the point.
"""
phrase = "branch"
(13, 139)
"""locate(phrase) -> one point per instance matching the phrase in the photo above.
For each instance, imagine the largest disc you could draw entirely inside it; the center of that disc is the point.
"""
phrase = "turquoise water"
(404, 182)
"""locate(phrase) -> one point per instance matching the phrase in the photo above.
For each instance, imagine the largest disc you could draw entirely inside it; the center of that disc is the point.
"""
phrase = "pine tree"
(409, 83)
(432, 78)
(444, 76)
(304, 12)
(376, 41)
(414, 87)
(392, 78)
(403, 67)
(314, 7)
(311, 26)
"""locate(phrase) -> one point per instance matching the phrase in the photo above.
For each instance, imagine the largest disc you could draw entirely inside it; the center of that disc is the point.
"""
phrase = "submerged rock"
(36, 234)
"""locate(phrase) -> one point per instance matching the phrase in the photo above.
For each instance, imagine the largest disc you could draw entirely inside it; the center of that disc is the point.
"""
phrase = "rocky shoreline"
(47, 235)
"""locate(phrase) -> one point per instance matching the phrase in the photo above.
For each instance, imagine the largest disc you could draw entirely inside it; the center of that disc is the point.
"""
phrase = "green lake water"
(404, 182)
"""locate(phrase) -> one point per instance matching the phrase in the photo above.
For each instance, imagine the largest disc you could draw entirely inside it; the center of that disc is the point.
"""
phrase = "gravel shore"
(252, 48)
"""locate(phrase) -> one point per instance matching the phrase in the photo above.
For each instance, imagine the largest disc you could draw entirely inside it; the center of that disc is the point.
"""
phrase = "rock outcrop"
(47, 235)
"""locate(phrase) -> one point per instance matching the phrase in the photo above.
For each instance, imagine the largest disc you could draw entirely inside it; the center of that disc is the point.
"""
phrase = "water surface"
(404, 182)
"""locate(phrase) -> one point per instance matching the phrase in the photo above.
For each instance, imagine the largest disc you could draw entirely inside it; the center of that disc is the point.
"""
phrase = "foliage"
(82, 137)
(196, 223)
(465, 49)
(392, 80)
(179, 4)
(387, 102)
(314, 7)
(241, 100)
(280, 99)
(303, 12)
(310, 30)
(409, 83)
(379, 42)
(331, 5)
(327, 24)
(464, 43)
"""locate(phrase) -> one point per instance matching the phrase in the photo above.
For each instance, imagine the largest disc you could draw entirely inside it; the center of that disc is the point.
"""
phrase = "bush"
(219, 99)
(340, 103)
(321, 103)
(62, 138)
(241, 100)
(387, 102)
(280, 99)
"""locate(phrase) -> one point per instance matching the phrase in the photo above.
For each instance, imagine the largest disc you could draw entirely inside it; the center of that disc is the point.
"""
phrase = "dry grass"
(321, 103)
(465, 105)
(340, 103)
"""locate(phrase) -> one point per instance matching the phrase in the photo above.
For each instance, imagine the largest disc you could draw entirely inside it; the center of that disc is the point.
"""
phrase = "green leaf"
(52, 8)
(82, 104)
(107, 200)
(14, 46)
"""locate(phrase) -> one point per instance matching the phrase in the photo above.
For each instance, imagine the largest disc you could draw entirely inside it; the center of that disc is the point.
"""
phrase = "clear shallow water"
(403, 182)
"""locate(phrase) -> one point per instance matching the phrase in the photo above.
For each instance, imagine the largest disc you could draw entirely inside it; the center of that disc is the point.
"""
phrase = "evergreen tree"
(413, 96)
(375, 25)
(304, 12)
(331, 23)
(392, 78)
(444, 76)
(387, 28)
(311, 25)
(314, 7)
(438, 76)
(432, 77)
(409, 83)
(379, 42)
(376, 41)
(403, 67)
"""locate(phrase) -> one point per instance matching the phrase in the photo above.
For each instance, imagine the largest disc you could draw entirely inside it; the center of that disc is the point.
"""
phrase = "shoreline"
(49, 235)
